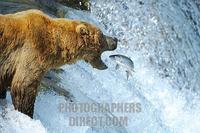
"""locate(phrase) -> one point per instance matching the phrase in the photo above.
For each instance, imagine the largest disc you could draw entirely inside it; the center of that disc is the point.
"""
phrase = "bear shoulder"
(32, 15)
(28, 12)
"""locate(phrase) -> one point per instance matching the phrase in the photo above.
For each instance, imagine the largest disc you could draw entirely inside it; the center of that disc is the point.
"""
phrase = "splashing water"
(163, 40)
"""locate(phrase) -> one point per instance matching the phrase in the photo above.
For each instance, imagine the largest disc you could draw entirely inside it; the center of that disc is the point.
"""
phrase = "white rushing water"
(163, 40)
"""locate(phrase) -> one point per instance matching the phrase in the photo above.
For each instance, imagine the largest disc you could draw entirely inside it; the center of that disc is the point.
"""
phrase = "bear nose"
(111, 43)
(115, 39)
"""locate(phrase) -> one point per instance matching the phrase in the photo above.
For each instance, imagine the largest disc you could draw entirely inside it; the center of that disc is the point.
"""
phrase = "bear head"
(95, 43)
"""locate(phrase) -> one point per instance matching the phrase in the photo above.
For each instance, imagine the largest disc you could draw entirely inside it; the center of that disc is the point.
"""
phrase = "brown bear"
(31, 43)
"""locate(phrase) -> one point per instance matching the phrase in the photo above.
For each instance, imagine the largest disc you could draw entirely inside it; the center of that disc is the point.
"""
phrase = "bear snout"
(111, 43)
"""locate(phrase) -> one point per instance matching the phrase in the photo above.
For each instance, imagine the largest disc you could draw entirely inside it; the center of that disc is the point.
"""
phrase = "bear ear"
(82, 29)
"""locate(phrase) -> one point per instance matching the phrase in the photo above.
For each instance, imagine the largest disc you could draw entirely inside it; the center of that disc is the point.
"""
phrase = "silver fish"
(125, 62)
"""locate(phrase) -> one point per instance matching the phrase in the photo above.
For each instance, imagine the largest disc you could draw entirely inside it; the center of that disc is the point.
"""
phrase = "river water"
(163, 40)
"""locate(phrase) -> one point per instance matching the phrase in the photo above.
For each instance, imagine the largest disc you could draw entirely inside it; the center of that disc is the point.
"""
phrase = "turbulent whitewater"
(163, 40)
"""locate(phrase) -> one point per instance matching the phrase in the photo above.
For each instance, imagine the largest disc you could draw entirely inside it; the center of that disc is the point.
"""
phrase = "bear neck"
(67, 46)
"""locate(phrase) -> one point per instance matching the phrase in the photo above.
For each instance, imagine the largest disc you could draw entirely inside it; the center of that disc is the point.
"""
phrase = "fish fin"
(128, 74)
(117, 66)
(132, 70)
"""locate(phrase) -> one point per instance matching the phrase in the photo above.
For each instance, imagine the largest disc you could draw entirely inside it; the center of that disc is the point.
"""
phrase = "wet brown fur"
(31, 43)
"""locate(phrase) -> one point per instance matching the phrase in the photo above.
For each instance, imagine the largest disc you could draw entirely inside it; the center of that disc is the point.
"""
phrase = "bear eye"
(102, 40)
(100, 35)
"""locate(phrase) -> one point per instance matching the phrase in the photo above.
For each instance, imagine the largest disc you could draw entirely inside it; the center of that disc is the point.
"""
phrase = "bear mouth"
(102, 66)
(98, 63)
